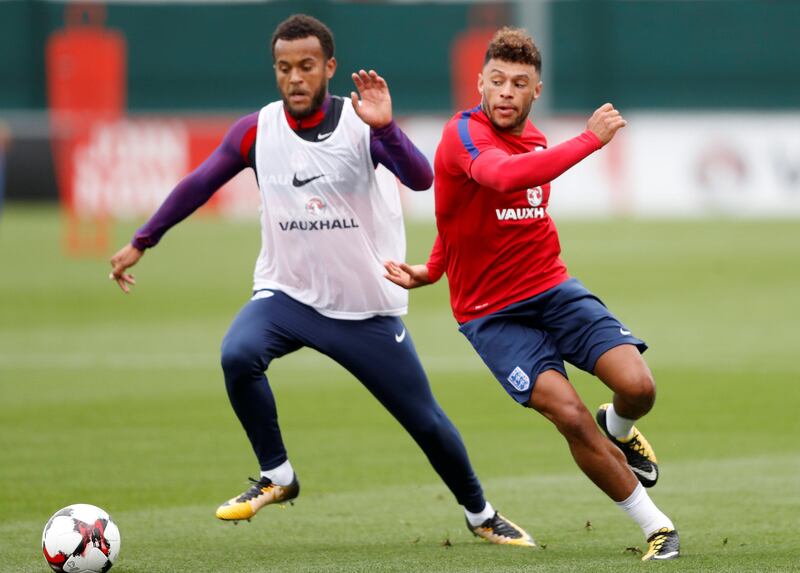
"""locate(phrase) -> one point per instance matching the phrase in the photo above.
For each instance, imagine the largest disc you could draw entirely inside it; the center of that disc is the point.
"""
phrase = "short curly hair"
(299, 26)
(514, 45)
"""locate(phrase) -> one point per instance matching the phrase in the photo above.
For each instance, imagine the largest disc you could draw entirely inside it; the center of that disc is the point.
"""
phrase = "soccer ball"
(80, 538)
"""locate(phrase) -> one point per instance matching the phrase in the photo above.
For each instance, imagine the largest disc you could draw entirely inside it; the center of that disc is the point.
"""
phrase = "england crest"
(315, 206)
(519, 379)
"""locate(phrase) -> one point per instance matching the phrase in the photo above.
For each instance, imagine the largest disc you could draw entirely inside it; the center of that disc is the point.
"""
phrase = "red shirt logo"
(535, 196)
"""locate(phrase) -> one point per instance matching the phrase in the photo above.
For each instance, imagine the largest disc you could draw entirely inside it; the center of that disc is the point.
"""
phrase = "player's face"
(302, 73)
(508, 91)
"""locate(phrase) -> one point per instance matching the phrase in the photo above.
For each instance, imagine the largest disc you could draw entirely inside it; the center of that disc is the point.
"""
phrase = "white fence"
(665, 166)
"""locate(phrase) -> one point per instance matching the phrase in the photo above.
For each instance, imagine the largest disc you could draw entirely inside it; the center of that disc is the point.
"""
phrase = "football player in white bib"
(326, 169)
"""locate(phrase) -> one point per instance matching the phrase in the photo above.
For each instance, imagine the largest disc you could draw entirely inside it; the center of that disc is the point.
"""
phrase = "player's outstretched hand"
(605, 122)
(406, 276)
(125, 258)
(375, 105)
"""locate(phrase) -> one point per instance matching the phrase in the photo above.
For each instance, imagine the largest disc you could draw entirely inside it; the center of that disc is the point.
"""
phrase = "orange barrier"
(86, 68)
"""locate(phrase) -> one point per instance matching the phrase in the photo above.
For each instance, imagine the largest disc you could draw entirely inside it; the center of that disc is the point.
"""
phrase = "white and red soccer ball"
(80, 538)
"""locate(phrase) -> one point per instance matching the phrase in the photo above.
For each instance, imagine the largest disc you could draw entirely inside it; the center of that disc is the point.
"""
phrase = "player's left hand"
(405, 275)
(605, 122)
(375, 105)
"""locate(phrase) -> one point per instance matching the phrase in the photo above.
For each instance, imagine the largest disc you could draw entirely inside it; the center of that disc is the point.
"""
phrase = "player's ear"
(480, 83)
(330, 67)
(537, 90)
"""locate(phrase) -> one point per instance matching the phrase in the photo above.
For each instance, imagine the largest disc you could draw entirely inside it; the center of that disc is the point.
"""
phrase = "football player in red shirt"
(510, 290)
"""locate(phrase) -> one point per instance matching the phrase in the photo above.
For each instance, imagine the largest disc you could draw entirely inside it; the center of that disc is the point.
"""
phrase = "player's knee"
(238, 358)
(434, 427)
(573, 420)
(640, 391)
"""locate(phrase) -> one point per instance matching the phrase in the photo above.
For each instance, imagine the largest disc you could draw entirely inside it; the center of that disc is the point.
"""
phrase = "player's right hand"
(406, 276)
(605, 122)
(125, 258)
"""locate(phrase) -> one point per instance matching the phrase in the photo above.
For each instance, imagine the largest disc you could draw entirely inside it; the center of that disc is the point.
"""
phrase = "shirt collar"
(312, 120)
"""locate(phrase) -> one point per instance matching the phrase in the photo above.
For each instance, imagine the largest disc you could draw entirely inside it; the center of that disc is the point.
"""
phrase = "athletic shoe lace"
(500, 526)
(256, 489)
(658, 539)
(636, 445)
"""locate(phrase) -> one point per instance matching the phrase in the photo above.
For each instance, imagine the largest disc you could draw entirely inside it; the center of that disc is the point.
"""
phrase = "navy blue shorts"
(524, 339)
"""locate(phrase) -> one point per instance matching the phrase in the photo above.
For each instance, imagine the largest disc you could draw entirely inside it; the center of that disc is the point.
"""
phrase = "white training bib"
(329, 218)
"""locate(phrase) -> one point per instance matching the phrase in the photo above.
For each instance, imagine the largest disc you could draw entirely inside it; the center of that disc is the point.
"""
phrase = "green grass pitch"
(119, 402)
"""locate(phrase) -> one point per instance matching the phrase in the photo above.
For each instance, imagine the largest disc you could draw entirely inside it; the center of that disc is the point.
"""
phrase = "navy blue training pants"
(377, 351)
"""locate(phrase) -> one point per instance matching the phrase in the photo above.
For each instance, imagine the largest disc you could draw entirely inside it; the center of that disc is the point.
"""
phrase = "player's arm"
(388, 144)
(495, 168)
(187, 196)
(392, 148)
(413, 276)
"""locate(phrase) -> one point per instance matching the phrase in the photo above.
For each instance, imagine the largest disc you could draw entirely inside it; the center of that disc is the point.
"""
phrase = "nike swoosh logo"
(300, 182)
(262, 294)
(323, 135)
(400, 337)
(650, 476)
(624, 332)
(669, 555)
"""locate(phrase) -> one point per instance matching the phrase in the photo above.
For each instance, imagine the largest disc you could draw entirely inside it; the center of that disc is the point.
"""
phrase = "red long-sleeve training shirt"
(496, 242)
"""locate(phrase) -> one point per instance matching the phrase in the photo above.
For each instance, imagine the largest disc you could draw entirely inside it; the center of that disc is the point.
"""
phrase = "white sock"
(618, 426)
(476, 519)
(282, 475)
(644, 512)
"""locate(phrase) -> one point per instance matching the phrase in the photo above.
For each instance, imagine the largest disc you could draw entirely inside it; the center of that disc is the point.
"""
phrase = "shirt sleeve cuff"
(141, 244)
(434, 272)
(382, 132)
(590, 137)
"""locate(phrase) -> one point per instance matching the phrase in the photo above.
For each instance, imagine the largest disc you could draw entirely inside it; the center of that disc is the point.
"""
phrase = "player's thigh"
(260, 332)
(380, 353)
(515, 352)
(583, 328)
(557, 400)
